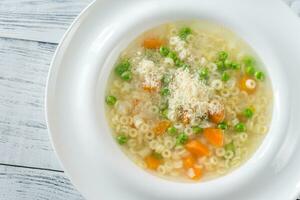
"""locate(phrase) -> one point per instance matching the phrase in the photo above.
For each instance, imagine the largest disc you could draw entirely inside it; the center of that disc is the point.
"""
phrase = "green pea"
(166, 79)
(185, 66)
(221, 66)
(181, 139)
(222, 55)
(259, 75)
(184, 32)
(229, 147)
(178, 62)
(164, 51)
(164, 105)
(172, 130)
(122, 139)
(122, 67)
(227, 64)
(203, 74)
(164, 113)
(235, 66)
(127, 76)
(248, 112)
(165, 92)
(225, 76)
(111, 100)
(240, 127)
(197, 129)
(172, 55)
(248, 60)
(223, 125)
(157, 155)
(250, 70)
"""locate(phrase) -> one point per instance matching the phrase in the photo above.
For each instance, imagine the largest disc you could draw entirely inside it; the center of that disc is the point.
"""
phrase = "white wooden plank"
(47, 20)
(28, 184)
(40, 20)
(23, 133)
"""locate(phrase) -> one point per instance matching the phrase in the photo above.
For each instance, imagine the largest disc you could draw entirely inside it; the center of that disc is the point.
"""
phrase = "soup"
(189, 101)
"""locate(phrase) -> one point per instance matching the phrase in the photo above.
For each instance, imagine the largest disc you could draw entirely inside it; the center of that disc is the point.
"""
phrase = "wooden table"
(29, 33)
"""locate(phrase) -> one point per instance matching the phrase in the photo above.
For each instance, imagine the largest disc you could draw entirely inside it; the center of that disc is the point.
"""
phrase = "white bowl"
(77, 82)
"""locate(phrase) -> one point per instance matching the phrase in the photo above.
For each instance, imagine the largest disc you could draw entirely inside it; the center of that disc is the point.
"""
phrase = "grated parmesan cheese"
(151, 74)
(179, 46)
(191, 96)
(215, 107)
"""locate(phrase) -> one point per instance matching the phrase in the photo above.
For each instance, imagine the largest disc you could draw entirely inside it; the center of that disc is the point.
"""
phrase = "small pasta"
(243, 137)
(166, 153)
(133, 150)
(213, 160)
(132, 132)
(132, 143)
(225, 92)
(220, 152)
(228, 155)
(149, 135)
(144, 128)
(144, 152)
(153, 144)
(221, 171)
(189, 131)
(217, 84)
(162, 169)
(169, 143)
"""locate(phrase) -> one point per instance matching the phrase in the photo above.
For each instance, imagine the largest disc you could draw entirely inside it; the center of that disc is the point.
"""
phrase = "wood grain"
(39, 20)
(22, 183)
(24, 138)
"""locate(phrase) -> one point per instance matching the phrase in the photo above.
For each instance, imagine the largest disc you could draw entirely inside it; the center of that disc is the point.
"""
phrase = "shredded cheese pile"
(191, 96)
(151, 74)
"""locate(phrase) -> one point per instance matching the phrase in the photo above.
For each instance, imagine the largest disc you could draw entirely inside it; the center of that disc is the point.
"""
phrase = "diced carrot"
(247, 84)
(148, 88)
(161, 127)
(194, 173)
(135, 102)
(214, 136)
(152, 162)
(217, 117)
(188, 161)
(153, 43)
(197, 148)
(197, 172)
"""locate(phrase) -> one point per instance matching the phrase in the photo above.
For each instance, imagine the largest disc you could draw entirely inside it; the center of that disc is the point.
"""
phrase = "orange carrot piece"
(152, 162)
(197, 148)
(247, 84)
(188, 161)
(214, 136)
(161, 127)
(153, 43)
(148, 88)
(217, 117)
(135, 102)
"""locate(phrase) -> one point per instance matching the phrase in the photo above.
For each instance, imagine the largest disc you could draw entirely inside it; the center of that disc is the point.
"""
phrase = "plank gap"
(28, 40)
(28, 167)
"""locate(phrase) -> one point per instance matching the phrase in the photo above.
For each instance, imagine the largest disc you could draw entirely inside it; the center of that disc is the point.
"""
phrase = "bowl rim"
(53, 64)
